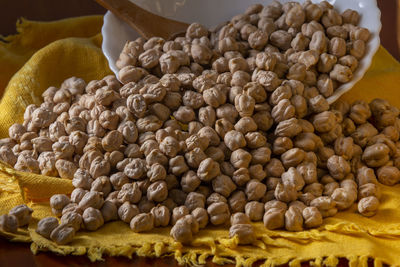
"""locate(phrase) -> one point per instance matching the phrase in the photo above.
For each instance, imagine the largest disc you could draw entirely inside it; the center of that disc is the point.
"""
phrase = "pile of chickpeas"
(225, 126)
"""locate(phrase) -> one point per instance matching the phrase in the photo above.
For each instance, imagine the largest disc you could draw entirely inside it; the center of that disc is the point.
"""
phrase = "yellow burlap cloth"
(44, 54)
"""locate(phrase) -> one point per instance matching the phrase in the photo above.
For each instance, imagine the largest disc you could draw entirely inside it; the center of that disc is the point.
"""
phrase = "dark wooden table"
(18, 254)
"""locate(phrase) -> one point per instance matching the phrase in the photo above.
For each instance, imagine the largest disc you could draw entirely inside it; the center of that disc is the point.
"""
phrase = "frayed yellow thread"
(331, 261)
(303, 237)
(249, 261)
(145, 250)
(281, 260)
(392, 231)
(240, 261)
(178, 257)
(259, 244)
(230, 242)
(159, 249)
(267, 263)
(202, 259)
(79, 251)
(127, 251)
(353, 261)
(295, 263)
(222, 260)
(190, 258)
(95, 254)
(378, 262)
(268, 241)
(363, 261)
(317, 262)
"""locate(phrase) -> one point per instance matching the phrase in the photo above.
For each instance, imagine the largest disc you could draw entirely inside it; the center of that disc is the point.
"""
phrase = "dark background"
(13, 254)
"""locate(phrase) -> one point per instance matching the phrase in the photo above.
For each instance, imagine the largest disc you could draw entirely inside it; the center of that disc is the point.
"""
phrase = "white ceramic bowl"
(211, 12)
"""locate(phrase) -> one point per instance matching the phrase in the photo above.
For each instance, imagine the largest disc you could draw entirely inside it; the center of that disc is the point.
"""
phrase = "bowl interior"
(210, 12)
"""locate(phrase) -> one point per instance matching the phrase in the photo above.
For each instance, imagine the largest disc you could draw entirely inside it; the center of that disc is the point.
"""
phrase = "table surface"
(18, 254)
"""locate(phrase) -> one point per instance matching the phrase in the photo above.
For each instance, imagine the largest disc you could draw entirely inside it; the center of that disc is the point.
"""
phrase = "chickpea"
(66, 169)
(219, 213)
(360, 112)
(312, 217)
(285, 192)
(8, 223)
(292, 157)
(292, 177)
(363, 133)
(288, 128)
(319, 42)
(297, 72)
(209, 133)
(196, 30)
(223, 185)
(367, 190)
(8, 156)
(59, 201)
(376, 155)
(127, 211)
(368, 206)
(71, 218)
(46, 225)
(244, 232)
(281, 145)
(177, 165)
(337, 47)
(350, 16)
(324, 121)
(130, 192)
(293, 219)
(341, 73)
(208, 169)
(244, 104)
(255, 190)
(262, 117)
(274, 218)
(102, 184)
(234, 140)
(323, 203)
(318, 104)
(98, 167)
(284, 110)
(184, 229)
(343, 198)
(157, 191)
(112, 141)
(161, 216)
(254, 210)
(62, 234)
(195, 200)
(178, 213)
(77, 194)
(142, 222)
(91, 199)
(92, 219)
(388, 175)
(338, 167)
(240, 158)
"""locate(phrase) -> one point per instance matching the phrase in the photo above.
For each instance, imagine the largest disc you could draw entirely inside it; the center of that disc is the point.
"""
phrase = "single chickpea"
(338, 167)
(208, 169)
(62, 234)
(388, 175)
(274, 218)
(368, 206)
(46, 225)
(219, 213)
